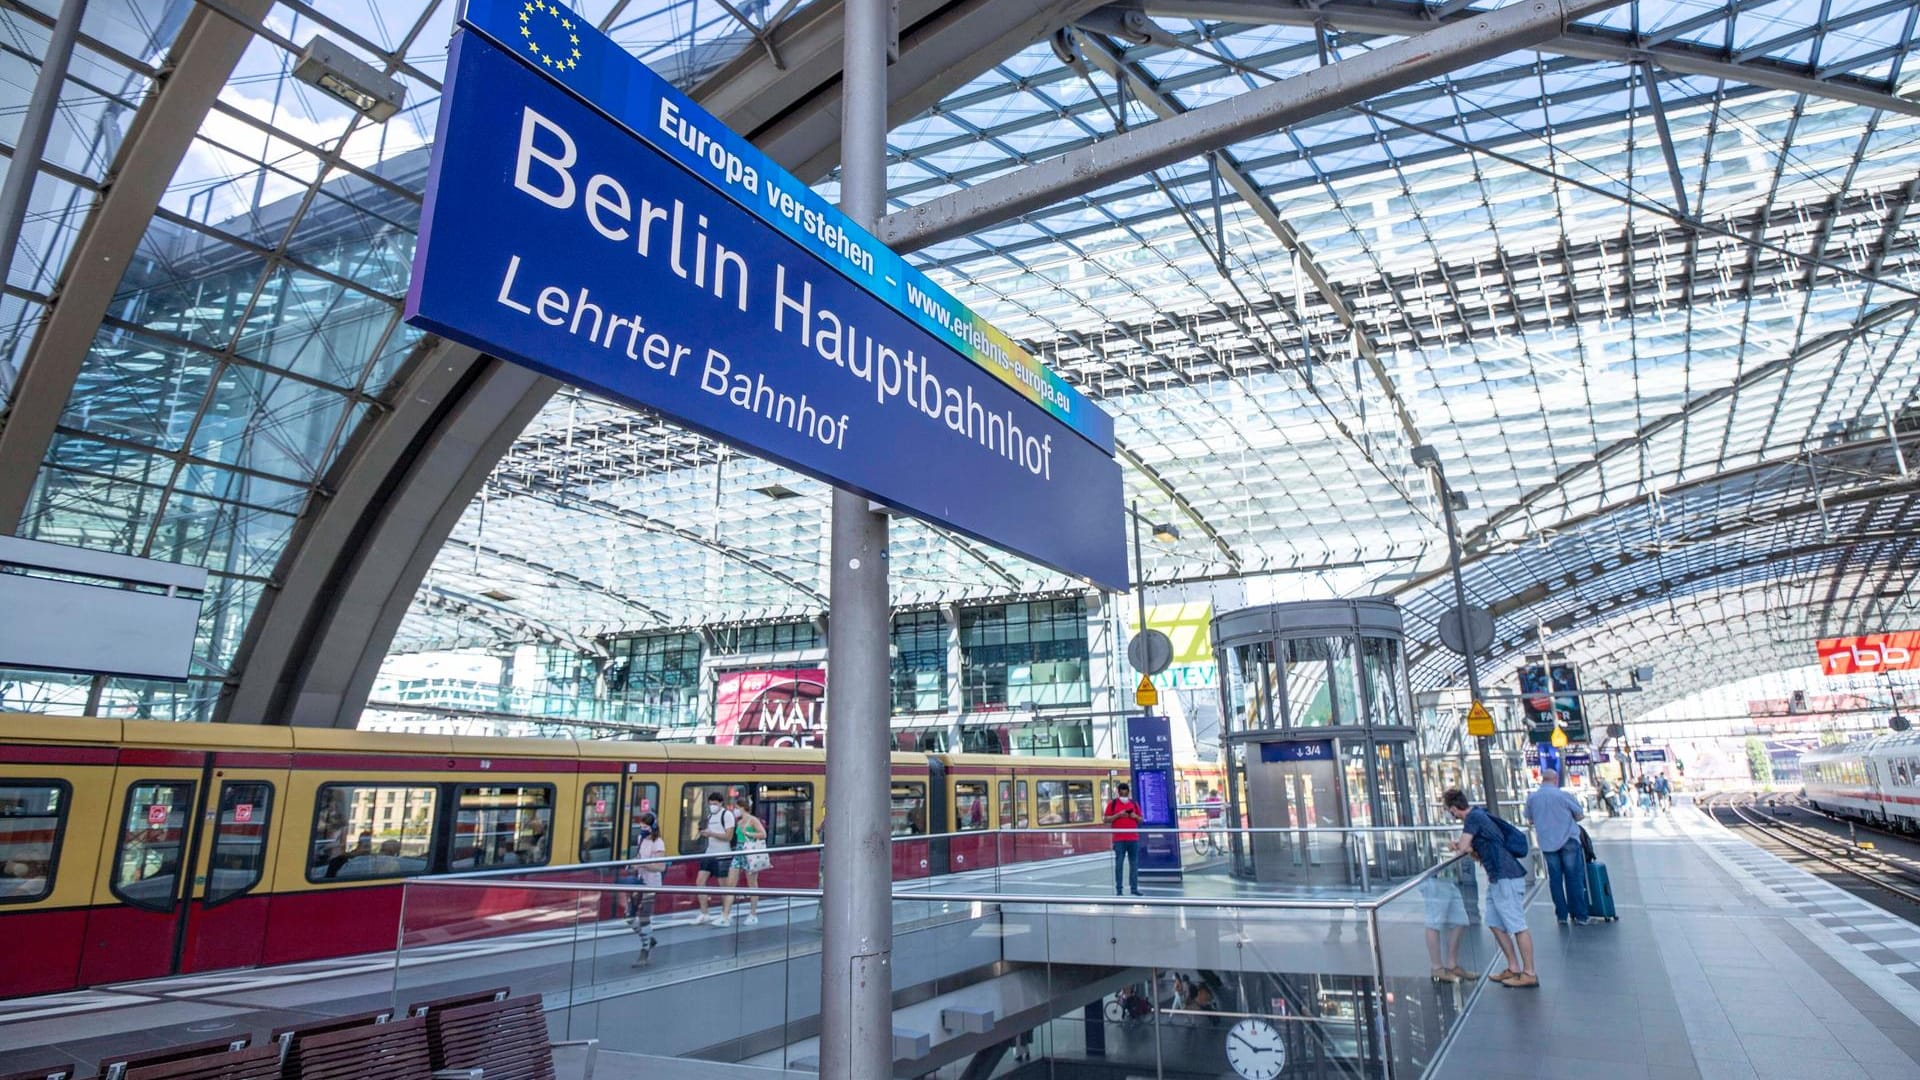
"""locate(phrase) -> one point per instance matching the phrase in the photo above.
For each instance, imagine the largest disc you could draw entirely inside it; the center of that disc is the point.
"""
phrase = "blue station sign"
(586, 220)
(1150, 759)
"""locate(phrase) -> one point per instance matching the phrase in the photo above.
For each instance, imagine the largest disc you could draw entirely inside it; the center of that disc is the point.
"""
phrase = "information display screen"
(1150, 756)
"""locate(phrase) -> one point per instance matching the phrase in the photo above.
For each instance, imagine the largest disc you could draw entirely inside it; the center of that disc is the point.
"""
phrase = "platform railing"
(1346, 984)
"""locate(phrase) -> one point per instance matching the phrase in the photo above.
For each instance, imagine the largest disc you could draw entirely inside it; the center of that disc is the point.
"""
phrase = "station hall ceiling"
(1648, 290)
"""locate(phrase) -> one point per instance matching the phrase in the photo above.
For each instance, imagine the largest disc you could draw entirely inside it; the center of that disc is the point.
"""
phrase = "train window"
(970, 805)
(787, 812)
(909, 809)
(363, 831)
(146, 868)
(1006, 804)
(239, 854)
(599, 803)
(1080, 802)
(1051, 795)
(693, 813)
(642, 799)
(502, 826)
(33, 816)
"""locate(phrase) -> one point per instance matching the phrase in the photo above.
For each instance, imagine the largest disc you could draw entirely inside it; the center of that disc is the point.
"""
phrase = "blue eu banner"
(1150, 757)
(553, 237)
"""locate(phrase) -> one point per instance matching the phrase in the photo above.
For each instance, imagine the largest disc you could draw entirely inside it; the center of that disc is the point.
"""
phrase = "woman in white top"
(749, 858)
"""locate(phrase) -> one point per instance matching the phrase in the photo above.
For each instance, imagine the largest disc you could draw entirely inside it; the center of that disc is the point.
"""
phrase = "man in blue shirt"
(1555, 815)
(1506, 887)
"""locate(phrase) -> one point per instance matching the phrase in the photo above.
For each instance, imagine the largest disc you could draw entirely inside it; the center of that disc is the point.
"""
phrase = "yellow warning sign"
(1145, 695)
(1559, 737)
(1479, 720)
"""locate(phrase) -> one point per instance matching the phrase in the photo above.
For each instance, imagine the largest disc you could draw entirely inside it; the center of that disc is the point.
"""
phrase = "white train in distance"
(1875, 780)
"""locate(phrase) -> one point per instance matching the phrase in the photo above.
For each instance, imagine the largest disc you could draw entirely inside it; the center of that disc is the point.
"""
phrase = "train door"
(228, 899)
(135, 926)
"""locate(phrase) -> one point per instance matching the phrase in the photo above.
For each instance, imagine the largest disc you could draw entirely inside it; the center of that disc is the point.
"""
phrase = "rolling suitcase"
(1600, 893)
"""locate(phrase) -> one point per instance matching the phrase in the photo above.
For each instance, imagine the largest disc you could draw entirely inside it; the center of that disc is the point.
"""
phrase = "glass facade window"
(796, 636)
(1386, 707)
(1027, 654)
(656, 677)
(1309, 668)
(919, 662)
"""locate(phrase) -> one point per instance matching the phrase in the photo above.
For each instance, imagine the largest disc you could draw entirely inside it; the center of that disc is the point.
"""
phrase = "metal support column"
(1490, 790)
(856, 976)
(32, 146)
(1139, 590)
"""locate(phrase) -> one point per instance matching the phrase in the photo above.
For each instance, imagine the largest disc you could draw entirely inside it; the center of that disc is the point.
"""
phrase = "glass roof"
(1671, 244)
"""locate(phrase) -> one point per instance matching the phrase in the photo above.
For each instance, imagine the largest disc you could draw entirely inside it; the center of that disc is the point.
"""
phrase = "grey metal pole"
(1491, 789)
(856, 957)
(1139, 582)
(32, 145)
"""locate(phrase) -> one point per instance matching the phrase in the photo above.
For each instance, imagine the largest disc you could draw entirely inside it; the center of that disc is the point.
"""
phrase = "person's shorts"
(716, 866)
(738, 862)
(1444, 904)
(1507, 904)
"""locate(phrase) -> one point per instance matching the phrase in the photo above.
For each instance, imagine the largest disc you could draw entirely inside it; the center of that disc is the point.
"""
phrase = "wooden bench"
(392, 1051)
(117, 1066)
(506, 1039)
(256, 1063)
(478, 997)
(283, 1038)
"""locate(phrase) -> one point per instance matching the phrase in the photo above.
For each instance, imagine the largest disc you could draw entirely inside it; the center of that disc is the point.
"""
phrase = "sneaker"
(1445, 975)
(700, 919)
(1523, 982)
(723, 921)
(751, 920)
(1583, 922)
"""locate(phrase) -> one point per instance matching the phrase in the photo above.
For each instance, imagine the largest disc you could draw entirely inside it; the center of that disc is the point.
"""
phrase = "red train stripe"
(58, 755)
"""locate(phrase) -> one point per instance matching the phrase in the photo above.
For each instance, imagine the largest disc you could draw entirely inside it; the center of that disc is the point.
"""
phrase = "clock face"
(1255, 1050)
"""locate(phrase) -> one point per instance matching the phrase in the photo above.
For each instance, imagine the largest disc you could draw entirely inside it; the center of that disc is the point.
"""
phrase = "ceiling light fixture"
(363, 87)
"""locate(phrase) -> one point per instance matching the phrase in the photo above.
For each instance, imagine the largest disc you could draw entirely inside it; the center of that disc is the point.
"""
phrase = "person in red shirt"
(1123, 817)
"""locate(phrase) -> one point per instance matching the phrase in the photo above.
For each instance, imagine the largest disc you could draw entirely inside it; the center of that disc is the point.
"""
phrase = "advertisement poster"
(1150, 754)
(771, 708)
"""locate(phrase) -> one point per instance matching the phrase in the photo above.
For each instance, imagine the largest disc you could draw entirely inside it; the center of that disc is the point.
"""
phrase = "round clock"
(1255, 1050)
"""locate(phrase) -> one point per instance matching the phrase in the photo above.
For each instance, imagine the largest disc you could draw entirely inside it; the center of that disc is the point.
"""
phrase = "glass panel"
(1356, 777)
(1385, 706)
(909, 817)
(239, 853)
(363, 831)
(1020, 804)
(1346, 682)
(146, 872)
(1309, 701)
(787, 812)
(1394, 781)
(32, 815)
(598, 804)
(1006, 803)
(1052, 798)
(970, 805)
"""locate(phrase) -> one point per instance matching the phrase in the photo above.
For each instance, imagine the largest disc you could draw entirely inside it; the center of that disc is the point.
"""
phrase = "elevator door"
(1294, 798)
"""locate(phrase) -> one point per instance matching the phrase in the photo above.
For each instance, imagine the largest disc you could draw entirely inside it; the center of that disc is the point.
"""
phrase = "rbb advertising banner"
(588, 221)
(1870, 654)
(770, 708)
(1150, 757)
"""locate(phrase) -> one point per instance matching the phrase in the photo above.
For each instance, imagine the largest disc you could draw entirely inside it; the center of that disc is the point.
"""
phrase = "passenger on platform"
(717, 829)
(1123, 817)
(749, 858)
(1506, 887)
(1606, 796)
(1554, 814)
(1663, 791)
(1644, 788)
(647, 848)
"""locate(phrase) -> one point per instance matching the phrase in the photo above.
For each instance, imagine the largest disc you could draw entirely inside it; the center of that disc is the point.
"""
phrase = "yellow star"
(576, 54)
(535, 49)
(526, 33)
(575, 38)
(523, 16)
(571, 64)
(566, 24)
(547, 60)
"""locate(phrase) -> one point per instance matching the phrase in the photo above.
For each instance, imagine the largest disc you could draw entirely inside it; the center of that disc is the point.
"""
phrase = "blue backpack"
(1512, 835)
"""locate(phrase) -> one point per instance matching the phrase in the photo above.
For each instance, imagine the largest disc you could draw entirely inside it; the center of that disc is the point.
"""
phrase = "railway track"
(1893, 875)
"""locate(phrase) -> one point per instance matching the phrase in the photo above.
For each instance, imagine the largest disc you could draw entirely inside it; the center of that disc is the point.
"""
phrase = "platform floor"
(1727, 964)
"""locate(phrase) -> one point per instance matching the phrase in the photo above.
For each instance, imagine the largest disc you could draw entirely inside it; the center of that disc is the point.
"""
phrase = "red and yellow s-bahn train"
(139, 849)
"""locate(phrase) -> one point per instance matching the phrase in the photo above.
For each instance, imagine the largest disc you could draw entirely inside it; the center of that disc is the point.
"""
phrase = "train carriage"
(1875, 780)
(140, 849)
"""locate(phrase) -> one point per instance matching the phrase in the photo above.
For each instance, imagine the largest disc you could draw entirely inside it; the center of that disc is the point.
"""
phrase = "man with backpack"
(1499, 847)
